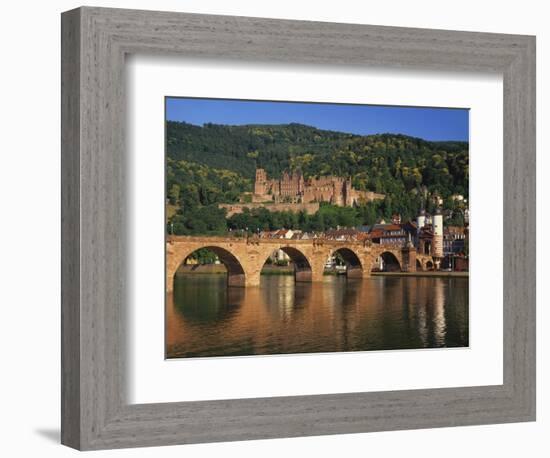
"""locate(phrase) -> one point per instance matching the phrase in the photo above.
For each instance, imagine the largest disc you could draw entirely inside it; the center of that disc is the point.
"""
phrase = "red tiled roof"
(454, 229)
(376, 233)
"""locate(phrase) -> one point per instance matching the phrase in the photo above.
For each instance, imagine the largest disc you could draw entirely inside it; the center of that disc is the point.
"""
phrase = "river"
(206, 318)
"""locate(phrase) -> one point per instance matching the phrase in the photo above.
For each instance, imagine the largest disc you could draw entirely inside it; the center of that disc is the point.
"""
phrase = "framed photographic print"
(334, 219)
(350, 247)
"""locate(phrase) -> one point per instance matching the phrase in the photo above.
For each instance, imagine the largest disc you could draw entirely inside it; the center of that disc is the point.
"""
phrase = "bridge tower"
(408, 256)
(421, 220)
(437, 252)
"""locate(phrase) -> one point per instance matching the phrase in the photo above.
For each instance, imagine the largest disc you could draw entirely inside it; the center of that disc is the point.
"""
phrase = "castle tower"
(285, 184)
(260, 182)
(298, 186)
(348, 200)
(437, 251)
(301, 184)
(421, 220)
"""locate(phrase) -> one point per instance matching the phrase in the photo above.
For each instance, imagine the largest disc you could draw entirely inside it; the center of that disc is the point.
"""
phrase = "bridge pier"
(354, 272)
(251, 279)
(317, 275)
(238, 280)
(408, 259)
(303, 275)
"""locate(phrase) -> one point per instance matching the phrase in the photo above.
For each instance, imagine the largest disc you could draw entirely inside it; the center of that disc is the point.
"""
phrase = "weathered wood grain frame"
(95, 412)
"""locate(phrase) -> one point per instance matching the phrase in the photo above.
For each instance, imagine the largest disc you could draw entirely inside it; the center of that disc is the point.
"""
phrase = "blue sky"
(427, 123)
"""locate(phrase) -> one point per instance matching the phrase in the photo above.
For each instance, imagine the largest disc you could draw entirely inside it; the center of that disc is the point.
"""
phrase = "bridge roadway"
(244, 257)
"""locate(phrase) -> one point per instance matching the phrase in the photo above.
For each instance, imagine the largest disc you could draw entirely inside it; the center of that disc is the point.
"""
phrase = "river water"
(206, 318)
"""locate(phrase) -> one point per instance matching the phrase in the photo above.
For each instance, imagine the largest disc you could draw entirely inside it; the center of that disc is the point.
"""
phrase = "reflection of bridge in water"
(244, 258)
(203, 318)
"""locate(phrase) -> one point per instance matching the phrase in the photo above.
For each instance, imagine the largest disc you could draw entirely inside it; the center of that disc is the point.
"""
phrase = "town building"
(344, 234)
(392, 235)
(454, 248)
(454, 238)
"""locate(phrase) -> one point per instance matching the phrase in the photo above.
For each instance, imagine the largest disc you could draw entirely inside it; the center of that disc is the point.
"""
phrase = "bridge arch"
(302, 265)
(235, 271)
(354, 266)
(426, 262)
(388, 261)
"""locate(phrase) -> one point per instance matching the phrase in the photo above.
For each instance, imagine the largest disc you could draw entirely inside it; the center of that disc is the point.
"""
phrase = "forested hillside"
(215, 163)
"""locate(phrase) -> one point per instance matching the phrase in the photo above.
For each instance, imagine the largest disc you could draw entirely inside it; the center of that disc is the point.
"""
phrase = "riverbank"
(198, 269)
(421, 274)
(201, 269)
(289, 270)
(277, 270)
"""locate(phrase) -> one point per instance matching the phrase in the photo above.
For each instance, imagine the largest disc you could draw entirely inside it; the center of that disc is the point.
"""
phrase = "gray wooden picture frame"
(95, 412)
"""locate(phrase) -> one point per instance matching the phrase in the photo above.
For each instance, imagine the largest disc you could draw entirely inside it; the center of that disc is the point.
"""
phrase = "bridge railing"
(262, 240)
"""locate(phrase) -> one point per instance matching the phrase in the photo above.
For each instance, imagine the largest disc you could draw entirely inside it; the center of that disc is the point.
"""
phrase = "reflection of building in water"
(422, 314)
(426, 301)
(439, 324)
(280, 301)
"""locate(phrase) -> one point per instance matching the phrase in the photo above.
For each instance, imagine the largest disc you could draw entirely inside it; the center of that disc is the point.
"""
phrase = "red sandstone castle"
(293, 188)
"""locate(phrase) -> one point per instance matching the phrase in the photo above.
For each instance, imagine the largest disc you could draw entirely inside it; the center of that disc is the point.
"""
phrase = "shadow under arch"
(204, 299)
(419, 266)
(354, 268)
(235, 271)
(389, 262)
(302, 266)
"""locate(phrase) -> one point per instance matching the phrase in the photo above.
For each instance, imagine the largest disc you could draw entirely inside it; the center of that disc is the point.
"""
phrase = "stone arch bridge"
(245, 257)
